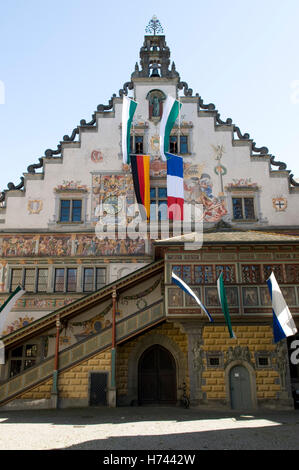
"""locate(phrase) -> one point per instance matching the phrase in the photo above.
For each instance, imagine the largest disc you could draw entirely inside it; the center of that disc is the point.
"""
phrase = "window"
(183, 144)
(251, 273)
(70, 210)
(93, 279)
(16, 279)
(42, 280)
(71, 280)
(65, 280)
(173, 144)
(214, 360)
(276, 268)
(228, 273)
(30, 279)
(292, 273)
(178, 142)
(136, 144)
(158, 204)
(22, 357)
(243, 208)
(184, 272)
(204, 274)
(59, 280)
(263, 360)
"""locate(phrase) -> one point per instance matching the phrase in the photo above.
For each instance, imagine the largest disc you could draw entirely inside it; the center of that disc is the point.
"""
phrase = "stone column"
(194, 331)
(282, 363)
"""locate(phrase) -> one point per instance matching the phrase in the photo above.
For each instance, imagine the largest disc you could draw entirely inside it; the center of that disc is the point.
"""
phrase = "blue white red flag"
(175, 187)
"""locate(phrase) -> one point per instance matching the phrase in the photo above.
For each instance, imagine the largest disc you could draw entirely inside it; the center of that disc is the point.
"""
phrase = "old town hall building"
(62, 345)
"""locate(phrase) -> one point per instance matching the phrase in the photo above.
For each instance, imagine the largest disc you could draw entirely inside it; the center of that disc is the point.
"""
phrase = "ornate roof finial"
(154, 26)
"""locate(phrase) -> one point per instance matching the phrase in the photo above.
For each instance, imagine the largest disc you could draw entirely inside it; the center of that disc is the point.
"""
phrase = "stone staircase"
(125, 329)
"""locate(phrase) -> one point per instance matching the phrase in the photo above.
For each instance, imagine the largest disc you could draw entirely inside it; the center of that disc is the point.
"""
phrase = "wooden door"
(157, 377)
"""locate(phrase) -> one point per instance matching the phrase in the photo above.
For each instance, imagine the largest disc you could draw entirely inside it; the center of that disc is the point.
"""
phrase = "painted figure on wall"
(55, 246)
(199, 189)
(88, 245)
(17, 246)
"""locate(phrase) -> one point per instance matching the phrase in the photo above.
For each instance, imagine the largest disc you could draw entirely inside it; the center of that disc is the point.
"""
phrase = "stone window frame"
(70, 195)
(94, 267)
(23, 269)
(215, 354)
(65, 278)
(243, 193)
(263, 354)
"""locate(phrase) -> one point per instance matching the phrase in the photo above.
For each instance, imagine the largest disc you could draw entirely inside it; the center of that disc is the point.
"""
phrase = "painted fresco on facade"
(96, 156)
(280, 204)
(55, 246)
(199, 189)
(242, 183)
(107, 190)
(17, 324)
(71, 186)
(89, 245)
(158, 168)
(18, 246)
(35, 206)
(250, 296)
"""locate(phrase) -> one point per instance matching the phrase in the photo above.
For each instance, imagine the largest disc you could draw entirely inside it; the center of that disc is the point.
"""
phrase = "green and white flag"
(129, 108)
(171, 111)
(224, 306)
(8, 305)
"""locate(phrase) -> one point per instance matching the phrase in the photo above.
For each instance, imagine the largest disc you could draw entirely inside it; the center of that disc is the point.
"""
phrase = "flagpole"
(54, 392)
(112, 394)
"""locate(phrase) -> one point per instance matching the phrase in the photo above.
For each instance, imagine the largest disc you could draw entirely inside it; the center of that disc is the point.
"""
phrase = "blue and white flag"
(283, 323)
(176, 280)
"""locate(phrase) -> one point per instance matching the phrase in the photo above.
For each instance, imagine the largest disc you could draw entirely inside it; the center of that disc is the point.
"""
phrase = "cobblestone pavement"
(148, 428)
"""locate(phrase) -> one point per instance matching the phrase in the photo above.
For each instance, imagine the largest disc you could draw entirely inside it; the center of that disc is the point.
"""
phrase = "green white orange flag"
(171, 111)
(129, 108)
(224, 306)
(8, 305)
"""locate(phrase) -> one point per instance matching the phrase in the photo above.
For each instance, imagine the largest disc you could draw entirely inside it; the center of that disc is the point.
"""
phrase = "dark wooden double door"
(157, 377)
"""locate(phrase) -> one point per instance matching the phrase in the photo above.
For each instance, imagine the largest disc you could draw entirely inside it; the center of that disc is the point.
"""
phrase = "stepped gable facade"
(77, 283)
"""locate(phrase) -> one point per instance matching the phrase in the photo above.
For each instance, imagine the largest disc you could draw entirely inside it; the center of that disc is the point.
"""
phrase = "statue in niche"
(155, 99)
(156, 107)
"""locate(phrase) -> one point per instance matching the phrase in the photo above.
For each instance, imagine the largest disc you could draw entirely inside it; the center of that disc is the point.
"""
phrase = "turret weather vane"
(154, 26)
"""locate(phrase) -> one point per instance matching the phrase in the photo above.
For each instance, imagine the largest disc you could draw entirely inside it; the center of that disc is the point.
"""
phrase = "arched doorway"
(240, 389)
(157, 377)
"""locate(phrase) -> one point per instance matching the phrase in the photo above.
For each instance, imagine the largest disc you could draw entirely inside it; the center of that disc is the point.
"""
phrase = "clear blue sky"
(60, 59)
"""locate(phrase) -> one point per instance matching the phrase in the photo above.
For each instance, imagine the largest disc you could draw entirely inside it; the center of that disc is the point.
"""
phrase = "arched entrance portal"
(157, 377)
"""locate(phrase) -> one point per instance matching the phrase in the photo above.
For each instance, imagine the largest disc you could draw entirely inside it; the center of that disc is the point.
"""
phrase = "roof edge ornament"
(154, 27)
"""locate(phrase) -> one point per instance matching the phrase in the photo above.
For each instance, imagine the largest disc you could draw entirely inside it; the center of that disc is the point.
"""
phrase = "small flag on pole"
(171, 110)
(129, 108)
(175, 187)
(283, 323)
(8, 305)
(176, 280)
(224, 306)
